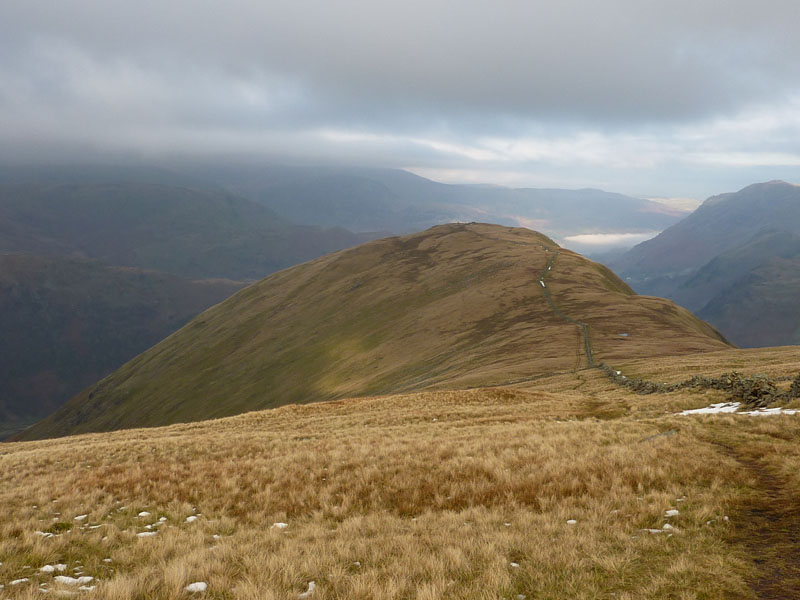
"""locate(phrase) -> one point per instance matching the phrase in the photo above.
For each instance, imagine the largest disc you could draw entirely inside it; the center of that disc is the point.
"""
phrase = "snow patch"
(733, 407)
(146, 533)
(280, 525)
(713, 409)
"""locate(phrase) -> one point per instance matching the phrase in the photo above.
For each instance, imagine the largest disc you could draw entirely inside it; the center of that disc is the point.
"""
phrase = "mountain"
(193, 232)
(66, 323)
(725, 262)
(660, 265)
(452, 307)
(397, 201)
(762, 307)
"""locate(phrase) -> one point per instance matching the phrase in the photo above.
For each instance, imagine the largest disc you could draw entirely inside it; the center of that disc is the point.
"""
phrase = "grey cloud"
(252, 76)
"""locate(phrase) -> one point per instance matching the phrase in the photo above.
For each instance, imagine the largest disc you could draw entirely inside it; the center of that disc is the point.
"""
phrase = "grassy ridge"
(455, 306)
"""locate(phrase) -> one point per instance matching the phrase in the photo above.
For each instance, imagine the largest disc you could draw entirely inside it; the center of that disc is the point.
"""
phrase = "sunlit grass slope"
(549, 489)
(452, 307)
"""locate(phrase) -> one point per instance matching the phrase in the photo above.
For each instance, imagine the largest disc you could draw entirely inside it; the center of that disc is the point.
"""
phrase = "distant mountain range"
(733, 262)
(452, 307)
(186, 231)
(396, 201)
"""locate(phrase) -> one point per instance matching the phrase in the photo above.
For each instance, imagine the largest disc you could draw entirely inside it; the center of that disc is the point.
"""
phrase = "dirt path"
(767, 525)
(583, 327)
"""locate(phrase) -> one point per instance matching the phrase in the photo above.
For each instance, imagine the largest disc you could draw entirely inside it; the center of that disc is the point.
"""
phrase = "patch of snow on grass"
(146, 533)
(732, 407)
(19, 581)
(191, 519)
(672, 512)
(81, 517)
(144, 513)
(762, 412)
(713, 409)
(196, 587)
(280, 525)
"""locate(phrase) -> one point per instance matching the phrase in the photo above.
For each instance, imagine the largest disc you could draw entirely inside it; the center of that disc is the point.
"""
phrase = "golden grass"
(426, 495)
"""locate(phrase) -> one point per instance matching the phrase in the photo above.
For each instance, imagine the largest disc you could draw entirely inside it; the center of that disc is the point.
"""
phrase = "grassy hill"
(193, 232)
(452, 307)
(554, 488)
(66, 323)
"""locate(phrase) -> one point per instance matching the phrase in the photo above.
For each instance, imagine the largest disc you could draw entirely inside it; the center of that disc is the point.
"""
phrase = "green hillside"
(454, 306)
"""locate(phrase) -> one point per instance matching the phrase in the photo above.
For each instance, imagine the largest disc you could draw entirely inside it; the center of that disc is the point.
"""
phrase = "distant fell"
(721, 223)
(761, 308)
(188, 231)
(66, 323)
(396, 201)
(733, 262)
(455, 306)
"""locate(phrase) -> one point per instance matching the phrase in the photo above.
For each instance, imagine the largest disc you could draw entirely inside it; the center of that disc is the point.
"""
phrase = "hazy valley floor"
(555, 490)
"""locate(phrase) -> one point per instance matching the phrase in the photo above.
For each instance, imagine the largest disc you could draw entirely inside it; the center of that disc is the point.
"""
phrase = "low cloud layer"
(653, 98)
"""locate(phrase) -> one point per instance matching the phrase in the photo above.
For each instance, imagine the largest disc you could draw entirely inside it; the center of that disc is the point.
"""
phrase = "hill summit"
(455, 306)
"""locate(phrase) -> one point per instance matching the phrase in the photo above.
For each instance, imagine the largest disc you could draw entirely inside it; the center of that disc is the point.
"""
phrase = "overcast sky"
(668, 98)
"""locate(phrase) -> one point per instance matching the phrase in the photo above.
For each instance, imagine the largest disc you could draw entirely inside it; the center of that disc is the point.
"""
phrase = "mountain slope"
(191, 232)
(66, 323)
(661, 265)
(454, 306)
(723, 271)
(762, 308)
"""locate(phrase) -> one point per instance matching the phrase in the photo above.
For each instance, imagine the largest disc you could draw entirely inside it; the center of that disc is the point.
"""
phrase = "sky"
(668, 98)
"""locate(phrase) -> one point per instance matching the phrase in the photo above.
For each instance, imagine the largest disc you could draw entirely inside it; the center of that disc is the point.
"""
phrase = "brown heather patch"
(417, 489)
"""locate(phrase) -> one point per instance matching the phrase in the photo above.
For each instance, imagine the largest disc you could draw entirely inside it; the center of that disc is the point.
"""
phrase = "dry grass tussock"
(466, 494)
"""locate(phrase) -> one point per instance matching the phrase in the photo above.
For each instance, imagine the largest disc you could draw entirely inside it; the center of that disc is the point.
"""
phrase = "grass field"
(556, 488)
